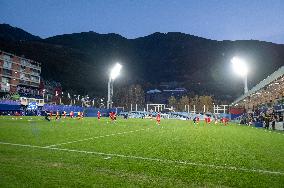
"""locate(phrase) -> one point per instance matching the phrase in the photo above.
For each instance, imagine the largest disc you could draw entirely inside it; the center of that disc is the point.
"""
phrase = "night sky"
(213, 19)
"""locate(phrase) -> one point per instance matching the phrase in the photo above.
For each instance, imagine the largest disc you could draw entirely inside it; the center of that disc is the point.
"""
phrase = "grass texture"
(137, 153)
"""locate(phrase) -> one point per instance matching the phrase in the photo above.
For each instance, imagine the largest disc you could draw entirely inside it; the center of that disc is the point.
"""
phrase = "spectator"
(273, 122)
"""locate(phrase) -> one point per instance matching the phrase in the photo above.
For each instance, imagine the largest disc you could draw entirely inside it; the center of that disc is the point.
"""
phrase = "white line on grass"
(152, 159)
(92, 138)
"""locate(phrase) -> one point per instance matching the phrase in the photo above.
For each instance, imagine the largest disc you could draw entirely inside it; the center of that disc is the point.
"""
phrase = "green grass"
(175, 154)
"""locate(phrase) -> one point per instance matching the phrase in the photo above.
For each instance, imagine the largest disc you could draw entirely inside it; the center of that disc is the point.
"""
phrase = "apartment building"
(18, 73)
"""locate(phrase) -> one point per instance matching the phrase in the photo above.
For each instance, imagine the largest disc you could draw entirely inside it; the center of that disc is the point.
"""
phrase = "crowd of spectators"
(263, 118)
(28, 92)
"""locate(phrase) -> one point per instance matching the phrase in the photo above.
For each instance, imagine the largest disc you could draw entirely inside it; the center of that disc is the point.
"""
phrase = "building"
(19, 74)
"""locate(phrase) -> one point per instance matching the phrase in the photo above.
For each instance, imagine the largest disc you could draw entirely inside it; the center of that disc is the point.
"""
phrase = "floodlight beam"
(239, 66)
(115, 71)
(241, 69)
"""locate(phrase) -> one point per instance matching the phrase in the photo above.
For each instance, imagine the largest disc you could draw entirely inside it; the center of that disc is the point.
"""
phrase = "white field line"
(167, 161)
(96, 137)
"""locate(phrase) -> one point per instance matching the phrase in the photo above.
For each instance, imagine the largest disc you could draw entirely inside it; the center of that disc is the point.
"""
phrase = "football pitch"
(137, 153)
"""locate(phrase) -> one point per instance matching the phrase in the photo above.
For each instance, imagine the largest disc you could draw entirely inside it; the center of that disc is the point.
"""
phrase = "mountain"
(10, 33)
(81, 61)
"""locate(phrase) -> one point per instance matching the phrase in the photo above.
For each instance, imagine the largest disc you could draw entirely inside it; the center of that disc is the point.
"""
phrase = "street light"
(113, 75)
(241, 69)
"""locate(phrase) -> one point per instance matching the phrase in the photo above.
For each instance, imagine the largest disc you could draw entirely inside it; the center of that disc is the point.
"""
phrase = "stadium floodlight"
(115, 71)
(241, 69)
(239, 66)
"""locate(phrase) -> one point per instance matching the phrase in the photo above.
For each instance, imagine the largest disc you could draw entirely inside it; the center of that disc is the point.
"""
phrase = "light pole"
(43, 92)
(113, 74)
(241, 69)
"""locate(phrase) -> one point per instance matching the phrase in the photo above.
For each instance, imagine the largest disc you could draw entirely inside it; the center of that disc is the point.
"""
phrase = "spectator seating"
(279, 107)
(10, 102)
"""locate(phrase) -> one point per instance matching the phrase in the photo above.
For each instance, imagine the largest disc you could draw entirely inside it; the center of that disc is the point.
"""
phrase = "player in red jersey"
(71, 114)
(159, 118)
(99, 115)
(111, 116)
(114, 116)
(226, 121)
(79, 115)
(208, 119)
(197, 120)
(222, 120)
(57, 115)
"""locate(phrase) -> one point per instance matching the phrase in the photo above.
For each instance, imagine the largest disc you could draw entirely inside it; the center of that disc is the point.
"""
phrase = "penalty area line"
(167, 161)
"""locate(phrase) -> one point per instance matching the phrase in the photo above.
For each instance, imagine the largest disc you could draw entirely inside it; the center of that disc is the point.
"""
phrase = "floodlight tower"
(241, 69)
(113, 74)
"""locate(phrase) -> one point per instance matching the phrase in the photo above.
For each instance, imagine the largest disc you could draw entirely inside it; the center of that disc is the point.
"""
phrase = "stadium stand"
(264, 103)
(267, 91)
